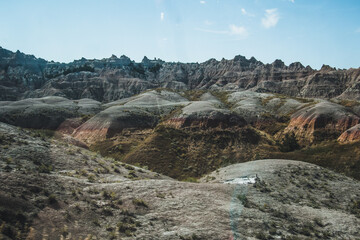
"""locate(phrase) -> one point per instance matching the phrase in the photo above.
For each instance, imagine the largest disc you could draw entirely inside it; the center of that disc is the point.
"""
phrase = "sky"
(313, 32)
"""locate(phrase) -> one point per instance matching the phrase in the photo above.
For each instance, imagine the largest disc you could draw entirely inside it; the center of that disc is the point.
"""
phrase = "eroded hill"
(189, 134)
(54, 190)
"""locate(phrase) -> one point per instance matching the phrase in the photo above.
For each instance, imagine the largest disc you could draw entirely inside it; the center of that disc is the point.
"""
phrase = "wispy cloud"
(233, 30)
(202, 2)
(357, 30)
(245, 13)
(162, 16)
(271, 18)
(208, 23)
(293, 1)
(238, 30)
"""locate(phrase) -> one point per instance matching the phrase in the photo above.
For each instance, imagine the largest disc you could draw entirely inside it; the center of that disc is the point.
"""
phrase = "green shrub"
(190, 179)
(140, 202)
(126, 227)
(107, 211)
(52, 199)
(91, 178)
(244, 200)
(288, 143)
(355, 208)
(45, 168)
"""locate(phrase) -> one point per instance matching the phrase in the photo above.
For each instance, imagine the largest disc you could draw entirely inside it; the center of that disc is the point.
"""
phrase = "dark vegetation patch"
(189, 153)
(272, 124)
(288, 143)
(223, 97)
(193, 95)
(343, 158)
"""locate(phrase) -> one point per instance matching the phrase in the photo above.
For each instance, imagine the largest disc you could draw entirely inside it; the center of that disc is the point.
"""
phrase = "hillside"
(61, 191)
(114, 149)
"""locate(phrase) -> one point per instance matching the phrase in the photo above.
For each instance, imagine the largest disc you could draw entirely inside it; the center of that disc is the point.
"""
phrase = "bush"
(45, 168)
(190, 179)
(107, 212)
(355, 208)
(91, 178)
(140, 202)
(288, 143)
(52, 199)
(244, 200)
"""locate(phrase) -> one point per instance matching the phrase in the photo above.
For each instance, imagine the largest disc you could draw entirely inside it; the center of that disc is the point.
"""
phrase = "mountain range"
(109, 79)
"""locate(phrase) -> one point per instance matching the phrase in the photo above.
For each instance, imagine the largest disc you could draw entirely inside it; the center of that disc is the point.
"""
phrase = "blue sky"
(314, 32)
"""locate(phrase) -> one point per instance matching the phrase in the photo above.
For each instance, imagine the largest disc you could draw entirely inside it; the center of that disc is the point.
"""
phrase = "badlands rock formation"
(350, 135)
(47, 113)
(320, 121)
(113, 78)
(71, 135)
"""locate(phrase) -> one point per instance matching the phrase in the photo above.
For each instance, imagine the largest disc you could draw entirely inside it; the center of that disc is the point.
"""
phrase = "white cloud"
(202, 2)
(293, 1)
(162, 15)
(271, 18)
(238, 30)
(245, 13)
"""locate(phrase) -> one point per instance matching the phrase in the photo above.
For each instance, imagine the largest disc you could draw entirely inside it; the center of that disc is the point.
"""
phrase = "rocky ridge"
(109, 79)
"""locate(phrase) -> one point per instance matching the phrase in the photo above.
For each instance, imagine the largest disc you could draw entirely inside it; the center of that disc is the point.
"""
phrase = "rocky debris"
(43, 180)
(45, 113)
(321, 121)
(46, 151)
(62, 191)
(350, 135)
(291, 191)
(110, 79)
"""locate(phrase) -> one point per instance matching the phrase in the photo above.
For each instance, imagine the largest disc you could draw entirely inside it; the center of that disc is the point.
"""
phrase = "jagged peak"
(327, 68)
(124, 57)
(145, 60)
(240, 58)
(253, 59)
(278, 63)
(296, 65)
(211, 60)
